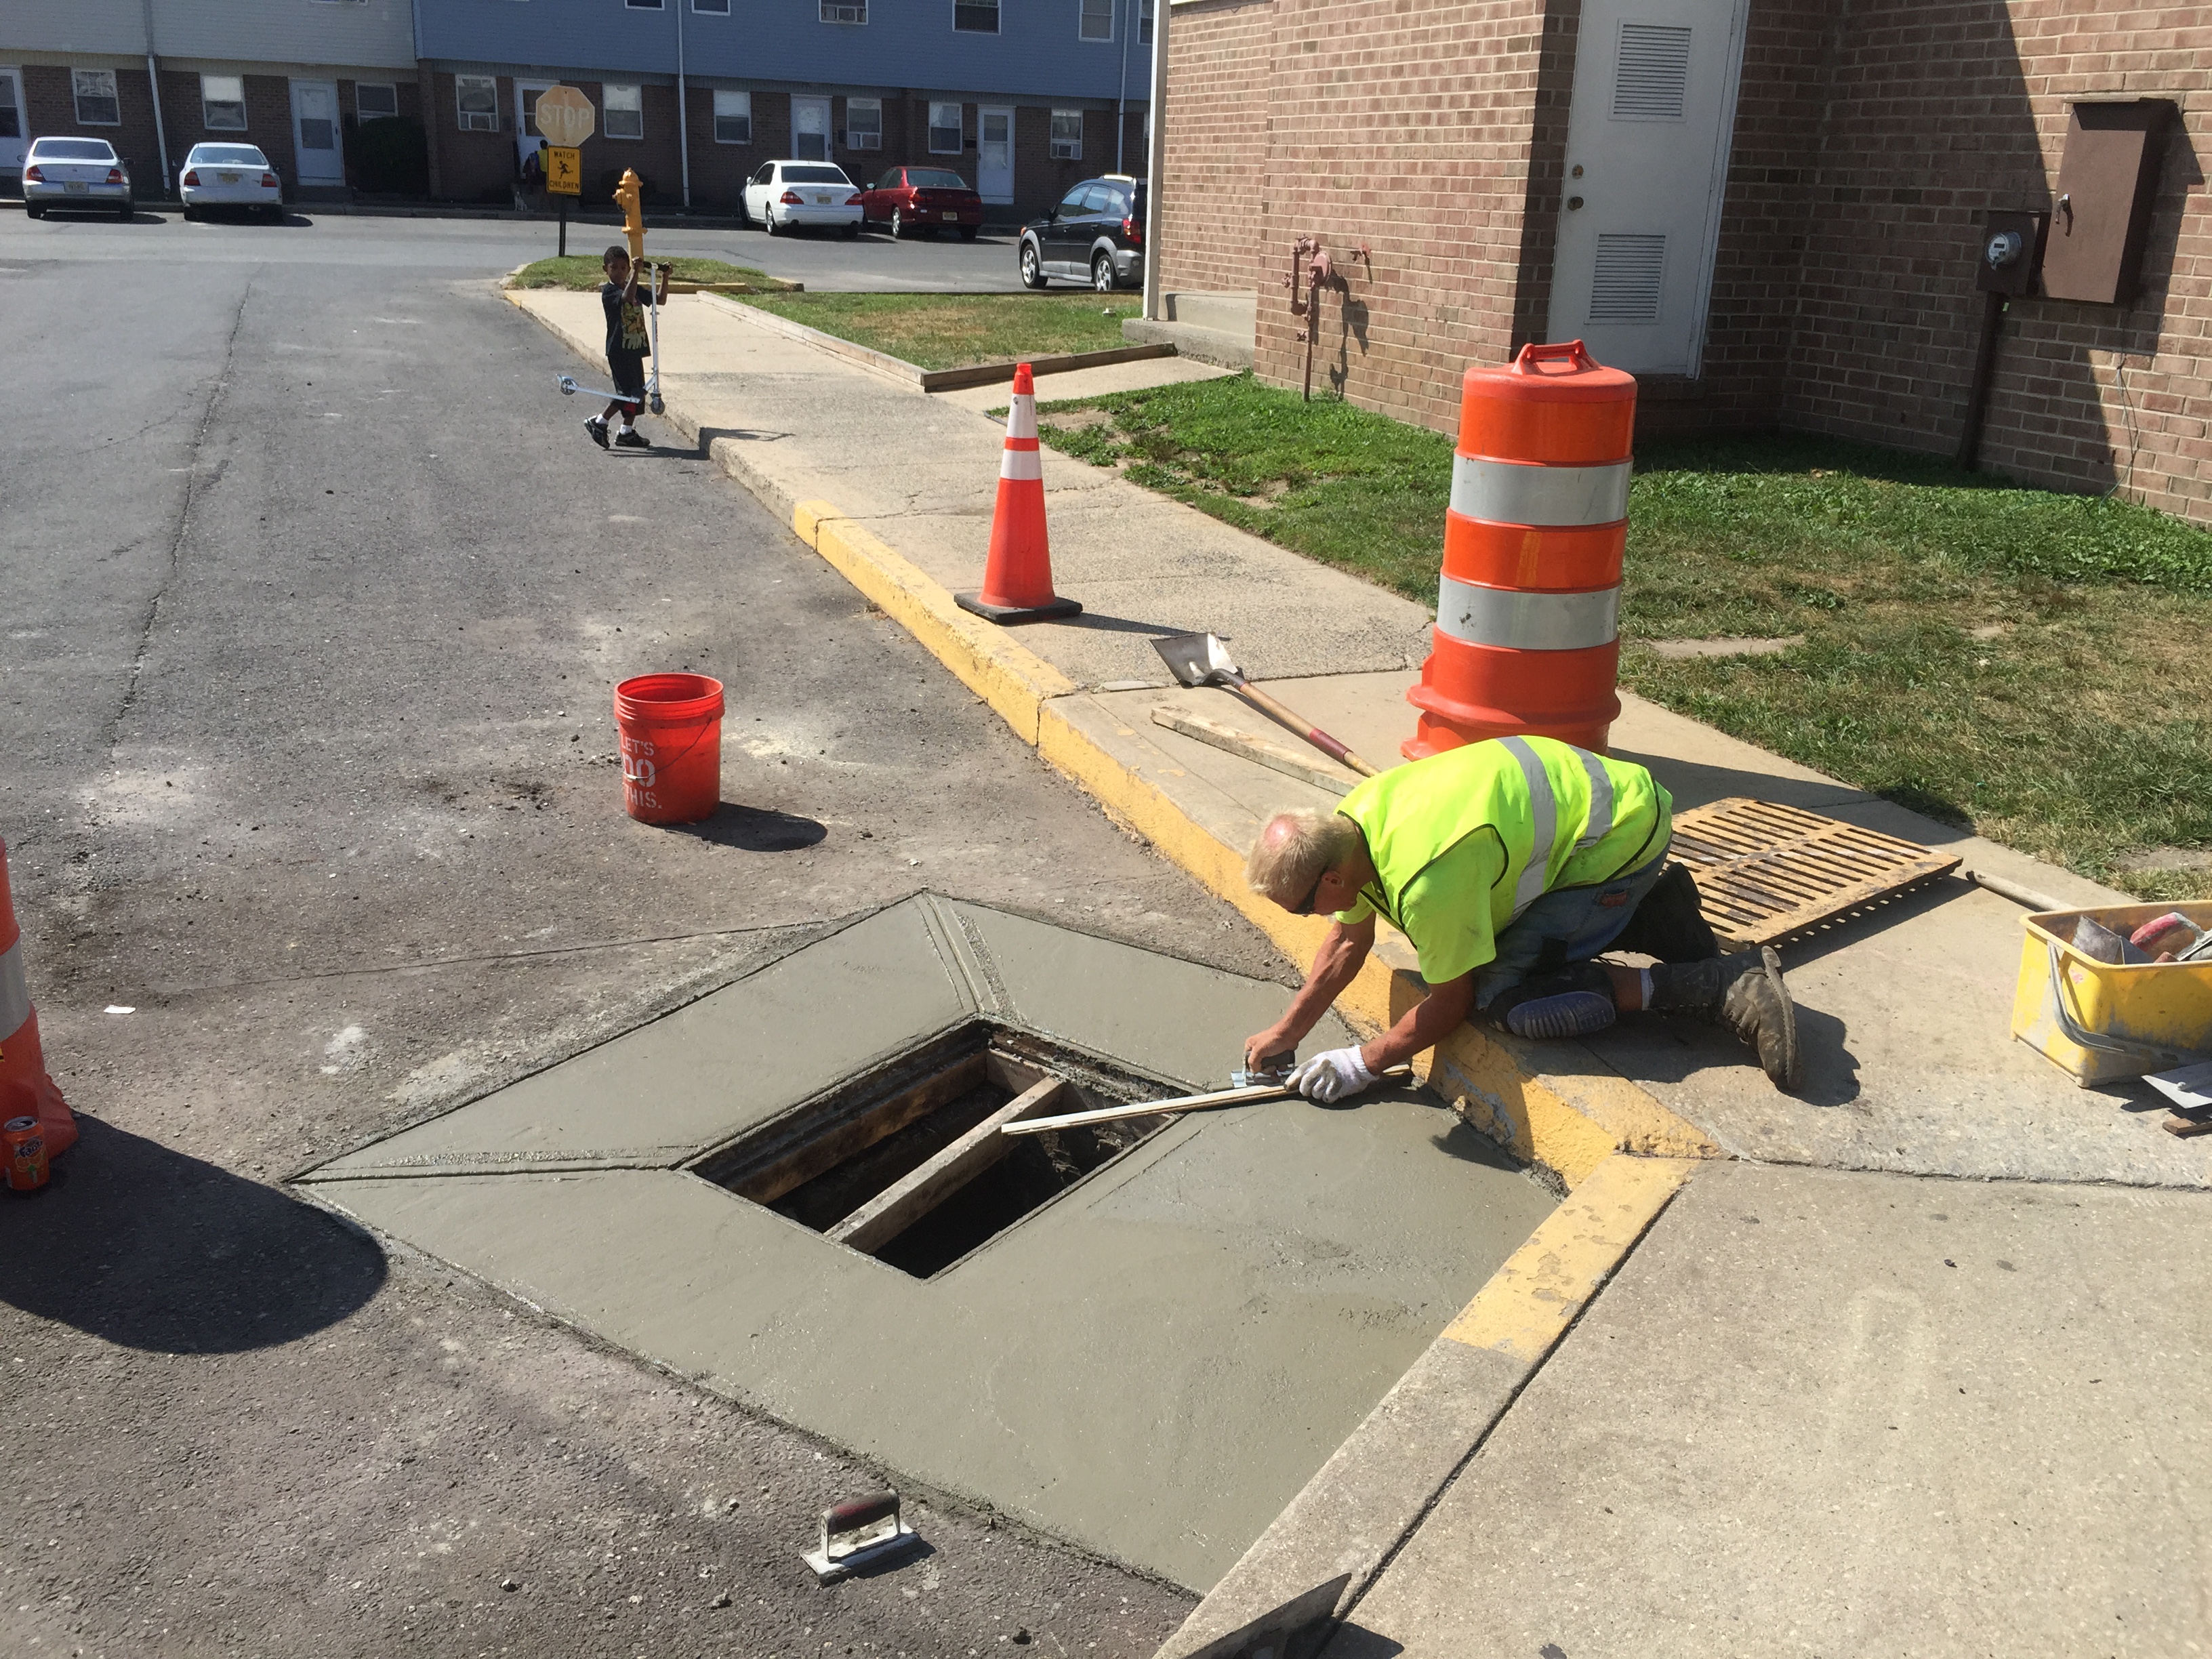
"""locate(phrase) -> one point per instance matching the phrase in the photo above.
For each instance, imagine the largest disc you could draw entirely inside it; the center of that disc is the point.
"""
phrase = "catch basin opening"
(907, 1163)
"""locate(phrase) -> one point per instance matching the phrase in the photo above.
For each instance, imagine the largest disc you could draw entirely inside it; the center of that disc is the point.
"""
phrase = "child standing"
(627, 347)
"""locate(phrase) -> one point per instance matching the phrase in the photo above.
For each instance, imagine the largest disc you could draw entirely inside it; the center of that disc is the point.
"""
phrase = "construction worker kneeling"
(1509, 864)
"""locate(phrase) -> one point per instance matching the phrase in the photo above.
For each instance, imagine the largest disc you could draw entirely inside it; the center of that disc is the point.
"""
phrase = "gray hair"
(1295, 850)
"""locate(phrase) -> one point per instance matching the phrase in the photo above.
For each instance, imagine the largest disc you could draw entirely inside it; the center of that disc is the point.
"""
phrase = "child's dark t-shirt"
(626, 335)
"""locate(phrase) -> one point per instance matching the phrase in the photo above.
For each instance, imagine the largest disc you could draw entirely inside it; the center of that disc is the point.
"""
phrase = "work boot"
(1670, 922)
(1744, 993)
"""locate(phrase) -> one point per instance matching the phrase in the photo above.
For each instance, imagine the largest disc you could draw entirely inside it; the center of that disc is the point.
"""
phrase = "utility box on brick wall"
(2107, 179)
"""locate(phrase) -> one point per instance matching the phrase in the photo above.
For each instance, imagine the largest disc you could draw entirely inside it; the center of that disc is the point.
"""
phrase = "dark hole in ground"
(895, 1138)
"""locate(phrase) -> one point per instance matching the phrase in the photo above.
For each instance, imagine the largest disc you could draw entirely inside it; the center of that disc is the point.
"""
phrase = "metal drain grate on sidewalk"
(1765, 871)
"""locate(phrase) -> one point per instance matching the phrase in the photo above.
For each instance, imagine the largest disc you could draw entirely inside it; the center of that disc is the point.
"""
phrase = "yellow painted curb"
(1571, 1126)
(1014, 682)
(1534, 1298)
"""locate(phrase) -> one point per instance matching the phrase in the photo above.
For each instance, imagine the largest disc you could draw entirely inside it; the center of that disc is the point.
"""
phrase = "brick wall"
(50, 111)
(473, 167)
(1938, 113)
(1221, 58)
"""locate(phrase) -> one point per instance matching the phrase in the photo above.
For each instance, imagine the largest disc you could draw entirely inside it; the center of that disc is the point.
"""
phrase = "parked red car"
(909, 199)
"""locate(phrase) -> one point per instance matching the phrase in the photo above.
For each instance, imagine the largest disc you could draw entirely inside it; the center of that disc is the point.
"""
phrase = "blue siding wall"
(905, 43)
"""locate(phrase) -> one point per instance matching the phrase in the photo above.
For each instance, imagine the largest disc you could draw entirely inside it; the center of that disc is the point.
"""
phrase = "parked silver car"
(229, 175)
(76, 172)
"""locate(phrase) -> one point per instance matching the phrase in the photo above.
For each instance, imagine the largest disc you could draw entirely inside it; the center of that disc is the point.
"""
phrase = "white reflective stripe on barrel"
(1601, 807)
(1020, 464)
(1512, 620)
(1513, 492)
(1021, 415)
(15, 995)
(1544, 816)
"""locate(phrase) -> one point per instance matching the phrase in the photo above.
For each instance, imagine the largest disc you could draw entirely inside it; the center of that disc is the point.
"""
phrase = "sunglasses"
(1304, 906)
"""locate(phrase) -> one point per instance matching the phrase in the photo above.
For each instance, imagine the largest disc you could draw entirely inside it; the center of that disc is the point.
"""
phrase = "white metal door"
(1648, 134)
(526, 134)
(810, 129)
(315, 133)
(13, 140)
(995, 154)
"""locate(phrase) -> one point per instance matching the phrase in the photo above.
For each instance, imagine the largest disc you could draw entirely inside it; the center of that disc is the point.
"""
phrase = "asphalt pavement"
(871, 263)
(317, 592)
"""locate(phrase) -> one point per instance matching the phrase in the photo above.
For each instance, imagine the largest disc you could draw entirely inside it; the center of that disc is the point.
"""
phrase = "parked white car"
(76, 172)
(784, 195)
(229, 175)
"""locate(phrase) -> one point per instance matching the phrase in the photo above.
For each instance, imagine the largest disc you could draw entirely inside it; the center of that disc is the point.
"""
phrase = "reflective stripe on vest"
(1544, 816)
(15, 994)
(1513, 492)
(1516, 621)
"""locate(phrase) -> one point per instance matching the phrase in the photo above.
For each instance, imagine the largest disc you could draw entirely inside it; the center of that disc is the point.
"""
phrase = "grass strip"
(581, 271)
(2033, 666)
(954, 331)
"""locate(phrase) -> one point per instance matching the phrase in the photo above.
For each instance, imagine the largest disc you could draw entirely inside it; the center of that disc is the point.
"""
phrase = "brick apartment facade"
(1868, 142)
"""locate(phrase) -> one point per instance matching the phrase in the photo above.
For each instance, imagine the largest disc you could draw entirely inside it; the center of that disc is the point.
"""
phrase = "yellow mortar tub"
(2153, 1016)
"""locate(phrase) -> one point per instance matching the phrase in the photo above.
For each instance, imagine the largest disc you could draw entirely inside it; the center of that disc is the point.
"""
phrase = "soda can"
(25, 1144)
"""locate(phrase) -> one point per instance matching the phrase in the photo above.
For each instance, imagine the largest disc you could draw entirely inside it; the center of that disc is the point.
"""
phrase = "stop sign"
(564, 115)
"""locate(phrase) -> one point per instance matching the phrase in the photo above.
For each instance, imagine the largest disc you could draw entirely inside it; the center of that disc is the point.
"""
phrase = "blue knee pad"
(1568, 1014)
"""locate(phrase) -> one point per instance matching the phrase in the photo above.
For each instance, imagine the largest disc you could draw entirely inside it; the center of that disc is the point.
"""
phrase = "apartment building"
(154, 77)
(1021, 99)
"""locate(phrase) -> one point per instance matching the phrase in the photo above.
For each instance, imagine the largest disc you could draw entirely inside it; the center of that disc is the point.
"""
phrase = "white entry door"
(995, 154)
(810, 129)
(526, 134)
(315, 133)
(13, 143)
(1647, 135)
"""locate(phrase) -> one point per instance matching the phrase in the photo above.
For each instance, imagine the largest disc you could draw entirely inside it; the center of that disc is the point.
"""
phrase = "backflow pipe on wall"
(1977, 394)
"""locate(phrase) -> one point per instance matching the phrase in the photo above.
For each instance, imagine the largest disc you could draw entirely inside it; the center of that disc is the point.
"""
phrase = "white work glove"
(1329, 1078)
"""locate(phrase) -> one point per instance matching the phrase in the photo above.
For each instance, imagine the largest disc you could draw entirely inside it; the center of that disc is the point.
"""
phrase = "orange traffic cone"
(24, 1084)
(1017, 572)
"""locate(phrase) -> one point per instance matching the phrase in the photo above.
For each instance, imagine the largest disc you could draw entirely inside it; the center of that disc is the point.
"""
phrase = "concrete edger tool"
(1202, 659)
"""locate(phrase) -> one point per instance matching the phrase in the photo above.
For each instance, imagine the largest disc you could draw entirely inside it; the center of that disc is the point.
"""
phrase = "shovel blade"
(1196, 659)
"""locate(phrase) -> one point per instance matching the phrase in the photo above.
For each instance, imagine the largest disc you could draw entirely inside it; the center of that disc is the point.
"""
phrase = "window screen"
(1098, 23)
(11, 118)
(222, 103)
(1144, 24)
(975, 16)
(625, 110)
(944, 129)
(733, 117)
(864, 123)
(372, 100)
(1651, 76)
(476, 99)
(96, 103)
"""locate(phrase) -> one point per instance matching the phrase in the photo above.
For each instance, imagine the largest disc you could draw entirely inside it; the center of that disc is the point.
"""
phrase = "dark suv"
(1096, 235)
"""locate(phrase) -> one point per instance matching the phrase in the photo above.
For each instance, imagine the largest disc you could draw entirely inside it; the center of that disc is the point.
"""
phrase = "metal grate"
(1765, 871)
(1624, 286)
(1651, 76)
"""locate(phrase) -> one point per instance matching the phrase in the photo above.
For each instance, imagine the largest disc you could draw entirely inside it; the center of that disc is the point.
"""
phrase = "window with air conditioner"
(837, 11)
(97, 105)
(944, 129)
(622, 109)
(1067, 135)
(975, 16)
(476, 101)
(222, 103)
(733, 117)
(864, 123)
(1097, 19)
(373, 100)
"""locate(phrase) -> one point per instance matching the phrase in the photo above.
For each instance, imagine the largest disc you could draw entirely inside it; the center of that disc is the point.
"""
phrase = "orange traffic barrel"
(25, 1088)
(1527, 634)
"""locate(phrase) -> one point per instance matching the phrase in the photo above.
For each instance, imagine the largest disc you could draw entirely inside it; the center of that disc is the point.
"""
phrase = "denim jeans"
(1570, 924)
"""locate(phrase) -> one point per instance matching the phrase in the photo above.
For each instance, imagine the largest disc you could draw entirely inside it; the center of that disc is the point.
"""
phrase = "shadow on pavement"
(756, 830)
(146, 1247)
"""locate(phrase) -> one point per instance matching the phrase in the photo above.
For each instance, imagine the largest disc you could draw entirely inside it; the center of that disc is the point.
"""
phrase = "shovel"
(1202, 659)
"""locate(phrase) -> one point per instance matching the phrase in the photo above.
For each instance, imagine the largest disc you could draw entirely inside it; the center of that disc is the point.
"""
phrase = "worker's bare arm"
(1421, 1026)
(1343, 953)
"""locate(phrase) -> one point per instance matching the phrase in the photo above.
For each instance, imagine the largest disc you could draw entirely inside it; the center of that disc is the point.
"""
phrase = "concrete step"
(1205, 346)
(1224, 314)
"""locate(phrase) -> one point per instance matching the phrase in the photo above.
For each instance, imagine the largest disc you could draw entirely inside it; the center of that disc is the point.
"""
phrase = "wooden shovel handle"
(1313, 734)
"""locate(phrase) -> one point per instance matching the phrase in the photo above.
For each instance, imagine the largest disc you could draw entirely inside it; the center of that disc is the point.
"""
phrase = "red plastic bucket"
(671, 746)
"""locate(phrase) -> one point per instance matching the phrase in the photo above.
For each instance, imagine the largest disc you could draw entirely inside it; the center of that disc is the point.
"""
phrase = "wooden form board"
(1765, 872)
(906, 1200)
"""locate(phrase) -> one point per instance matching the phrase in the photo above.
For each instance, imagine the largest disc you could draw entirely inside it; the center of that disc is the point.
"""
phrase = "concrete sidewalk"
(1696, 1466)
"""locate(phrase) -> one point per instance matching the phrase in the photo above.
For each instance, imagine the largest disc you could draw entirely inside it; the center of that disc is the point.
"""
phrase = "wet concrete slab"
(1150, 1365)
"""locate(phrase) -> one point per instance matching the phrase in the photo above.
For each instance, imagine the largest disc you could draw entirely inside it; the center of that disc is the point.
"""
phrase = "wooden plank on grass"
(904, 1203)
(797, 1167)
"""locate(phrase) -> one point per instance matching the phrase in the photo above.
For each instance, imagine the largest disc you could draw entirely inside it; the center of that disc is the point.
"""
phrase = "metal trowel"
(1275, 1069)
(1202, 659)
